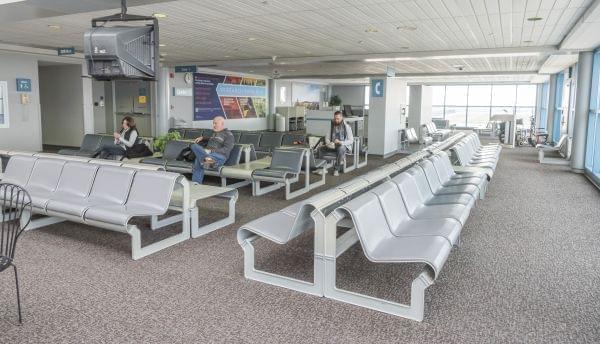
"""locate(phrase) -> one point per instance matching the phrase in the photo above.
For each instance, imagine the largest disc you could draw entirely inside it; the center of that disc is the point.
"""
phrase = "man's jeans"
(200, 152)
(340, 151)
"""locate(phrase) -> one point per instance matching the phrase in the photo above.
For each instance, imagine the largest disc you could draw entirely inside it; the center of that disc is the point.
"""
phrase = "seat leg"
(18, 293)
(198, 231)
(137, 251)
(415, 310)
(250, 272)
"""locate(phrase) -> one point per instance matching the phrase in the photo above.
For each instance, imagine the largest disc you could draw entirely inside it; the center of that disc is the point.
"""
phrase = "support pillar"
(582, 104)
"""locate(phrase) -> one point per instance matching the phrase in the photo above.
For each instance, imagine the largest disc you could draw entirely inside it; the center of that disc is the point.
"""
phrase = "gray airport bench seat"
(558, 150)
(91, 143)
(171, 159)
(389, 234)
(358, 150)
(323, 214)
(235, 156)
(268, 142)
(419, 210)
(283, 171)
(99, 195)
(470, 153)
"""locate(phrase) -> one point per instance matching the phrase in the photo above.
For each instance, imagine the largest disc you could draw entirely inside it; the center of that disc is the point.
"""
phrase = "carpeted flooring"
(527, 271)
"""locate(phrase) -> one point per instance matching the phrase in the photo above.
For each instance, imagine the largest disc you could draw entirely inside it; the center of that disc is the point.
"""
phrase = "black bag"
(186, 155)
(138, 150)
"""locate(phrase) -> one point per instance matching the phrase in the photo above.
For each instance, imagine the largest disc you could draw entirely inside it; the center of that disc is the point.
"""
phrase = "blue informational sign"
(377, 87)
(186, 69)
(207, 104)
(23, 85)
(227, 90)
(66, 51)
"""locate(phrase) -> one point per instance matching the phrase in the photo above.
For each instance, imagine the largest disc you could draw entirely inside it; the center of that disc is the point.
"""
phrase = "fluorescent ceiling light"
(159, 15)
(445, 57)
(5, 2)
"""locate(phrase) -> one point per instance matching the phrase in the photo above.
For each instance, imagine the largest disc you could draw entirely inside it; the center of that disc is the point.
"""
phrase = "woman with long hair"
(125, 139)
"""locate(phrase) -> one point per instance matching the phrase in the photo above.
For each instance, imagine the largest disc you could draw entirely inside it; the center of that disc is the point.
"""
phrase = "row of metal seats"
(264, 142)
(9, 153)
(92, 142)
(470, 153)
(282, 169)
(431, 130)
(413, 216)
(98, 195)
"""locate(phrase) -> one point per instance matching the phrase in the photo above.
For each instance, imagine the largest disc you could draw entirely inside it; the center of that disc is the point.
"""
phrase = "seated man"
(340, 140)
(217, 150)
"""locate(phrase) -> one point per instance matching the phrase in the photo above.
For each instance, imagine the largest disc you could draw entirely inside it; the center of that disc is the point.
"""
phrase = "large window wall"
(592, 152)
(473, 105)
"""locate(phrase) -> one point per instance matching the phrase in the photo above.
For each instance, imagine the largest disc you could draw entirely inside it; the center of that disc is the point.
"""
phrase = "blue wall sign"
(23, 85)
(186, 69)
(66, 51)
(377, 87)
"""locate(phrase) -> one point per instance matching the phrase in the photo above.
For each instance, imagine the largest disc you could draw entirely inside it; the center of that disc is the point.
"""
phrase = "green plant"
(335, 100)
(161, 141)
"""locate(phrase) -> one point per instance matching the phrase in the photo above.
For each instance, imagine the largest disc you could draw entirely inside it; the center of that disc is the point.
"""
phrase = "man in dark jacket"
(217, 149)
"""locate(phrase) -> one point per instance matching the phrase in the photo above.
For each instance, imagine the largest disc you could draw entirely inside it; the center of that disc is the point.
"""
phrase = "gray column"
(582, 105)
(88, 101)
(551, 105)
(162, 101)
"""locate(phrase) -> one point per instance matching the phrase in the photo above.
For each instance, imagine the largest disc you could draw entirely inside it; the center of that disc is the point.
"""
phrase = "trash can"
(279, 123)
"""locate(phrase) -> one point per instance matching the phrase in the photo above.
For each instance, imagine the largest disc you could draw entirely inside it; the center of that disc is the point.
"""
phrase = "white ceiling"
(243, 35)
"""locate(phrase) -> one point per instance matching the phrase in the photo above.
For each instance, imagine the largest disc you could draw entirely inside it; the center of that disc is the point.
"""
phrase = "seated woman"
(125, 139)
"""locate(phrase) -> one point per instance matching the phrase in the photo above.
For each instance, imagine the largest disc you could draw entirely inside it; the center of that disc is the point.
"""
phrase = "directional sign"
(377, 87)
(66, 51)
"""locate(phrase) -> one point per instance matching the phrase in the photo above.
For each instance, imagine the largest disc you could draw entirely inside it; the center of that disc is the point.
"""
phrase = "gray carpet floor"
(527, 271)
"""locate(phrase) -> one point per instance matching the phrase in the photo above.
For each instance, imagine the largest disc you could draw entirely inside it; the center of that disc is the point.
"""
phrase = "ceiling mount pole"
(123, 7)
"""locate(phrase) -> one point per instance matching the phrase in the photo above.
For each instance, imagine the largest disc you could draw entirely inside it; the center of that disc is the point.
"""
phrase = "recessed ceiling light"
(406, 28)
(252, 38)
(250, 71)
(226, 56)
(534, 18)
(163, 54)
(459, 67)
(5, 2)
(371, 30)
(405, 48)
(54, 27)
(162, 45)
(264, 2)
(308, 52)
(291, 70)
(159, 15)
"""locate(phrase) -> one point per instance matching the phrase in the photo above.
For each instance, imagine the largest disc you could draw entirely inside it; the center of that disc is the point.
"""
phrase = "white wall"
(419, 111)
(24, 132)
(350, 94)
(61, 102)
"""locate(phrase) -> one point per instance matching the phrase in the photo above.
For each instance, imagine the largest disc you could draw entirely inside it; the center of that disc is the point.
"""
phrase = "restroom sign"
(377, 87)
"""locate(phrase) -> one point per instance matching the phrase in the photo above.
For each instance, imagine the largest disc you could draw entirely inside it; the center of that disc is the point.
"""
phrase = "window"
(592, 149)
(3, 104)
(472, 105)
(367, 96)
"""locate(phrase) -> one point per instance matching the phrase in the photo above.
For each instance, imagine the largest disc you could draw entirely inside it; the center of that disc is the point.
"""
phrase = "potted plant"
(161, 141)
(335, 101)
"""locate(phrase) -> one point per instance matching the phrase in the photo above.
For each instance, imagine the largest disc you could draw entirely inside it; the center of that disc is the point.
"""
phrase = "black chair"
(14, 203)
